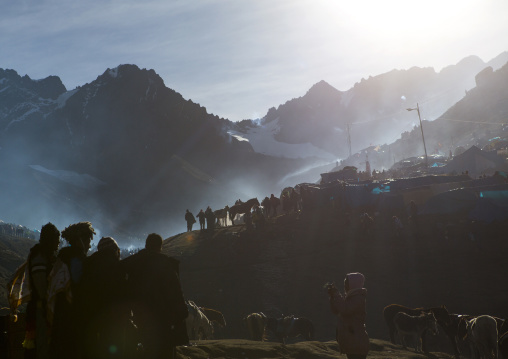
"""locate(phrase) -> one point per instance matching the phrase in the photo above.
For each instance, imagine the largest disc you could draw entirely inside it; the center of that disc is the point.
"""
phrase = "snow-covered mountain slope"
(262, 139)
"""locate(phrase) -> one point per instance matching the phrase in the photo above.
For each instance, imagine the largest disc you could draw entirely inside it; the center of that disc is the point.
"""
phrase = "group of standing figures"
(251, 209)
(99, 306)
(206, 219)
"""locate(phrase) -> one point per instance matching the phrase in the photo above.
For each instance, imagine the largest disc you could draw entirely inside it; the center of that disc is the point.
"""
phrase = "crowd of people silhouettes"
(99, 306)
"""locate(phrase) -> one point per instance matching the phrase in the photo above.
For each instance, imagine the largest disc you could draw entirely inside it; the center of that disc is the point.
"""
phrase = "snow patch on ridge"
(262, 141)
(62, 99)
(113, 72)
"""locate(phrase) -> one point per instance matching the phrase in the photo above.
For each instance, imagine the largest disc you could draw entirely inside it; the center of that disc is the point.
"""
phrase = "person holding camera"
(350, 309)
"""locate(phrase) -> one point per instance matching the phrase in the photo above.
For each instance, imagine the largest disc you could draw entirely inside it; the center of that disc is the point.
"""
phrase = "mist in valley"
(134, 168)
(33, 195)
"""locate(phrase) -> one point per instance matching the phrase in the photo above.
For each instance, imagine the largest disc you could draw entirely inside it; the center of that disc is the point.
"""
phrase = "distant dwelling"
(484, 199)
(347, 173)
(473, 184)
(475, 161)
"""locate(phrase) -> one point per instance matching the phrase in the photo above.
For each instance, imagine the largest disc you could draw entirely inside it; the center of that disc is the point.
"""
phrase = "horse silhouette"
(444, 319)
(198, 325)
(242, 208)
(256, 324)
(222, 216)
(482, 337)
(217, 320)
(290, 327)
(414, 326)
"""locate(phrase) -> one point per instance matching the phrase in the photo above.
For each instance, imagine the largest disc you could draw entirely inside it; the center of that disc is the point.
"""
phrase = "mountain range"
(130, 154)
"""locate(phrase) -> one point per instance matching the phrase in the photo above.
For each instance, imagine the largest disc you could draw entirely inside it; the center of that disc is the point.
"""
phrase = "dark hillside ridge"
(282, 268)
(151, 153)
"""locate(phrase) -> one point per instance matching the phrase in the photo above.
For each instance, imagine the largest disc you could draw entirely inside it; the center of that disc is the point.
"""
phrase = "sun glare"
(399, 24)
(401, 20)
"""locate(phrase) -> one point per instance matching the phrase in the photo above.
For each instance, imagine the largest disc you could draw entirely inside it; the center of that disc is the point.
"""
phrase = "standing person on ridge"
(189, 218)
(351, 313)
(40, 261)
(202, 219)
(210, 218)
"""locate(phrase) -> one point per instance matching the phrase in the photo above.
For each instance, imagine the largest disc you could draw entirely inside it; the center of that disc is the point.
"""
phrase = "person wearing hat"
(351, 313)
(102, 302)
(64, 291)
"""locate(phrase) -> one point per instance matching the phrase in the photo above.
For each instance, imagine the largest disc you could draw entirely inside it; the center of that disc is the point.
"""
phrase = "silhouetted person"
(104, 289)
(40, 262)
(294, 199)
(157, 299)
(274, 203)
(210, 218)
(257, 218)
(350, 309)
(202, 218)
(266, 205)
(189, 218)
(65, 293)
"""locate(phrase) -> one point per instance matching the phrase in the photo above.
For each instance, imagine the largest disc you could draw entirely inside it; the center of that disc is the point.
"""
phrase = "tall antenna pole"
(421, 128)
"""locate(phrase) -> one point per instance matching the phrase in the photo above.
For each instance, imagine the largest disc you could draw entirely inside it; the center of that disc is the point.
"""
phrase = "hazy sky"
(238, 58)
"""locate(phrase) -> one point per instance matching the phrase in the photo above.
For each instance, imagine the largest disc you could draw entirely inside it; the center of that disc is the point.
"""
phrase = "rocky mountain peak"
(323, 91)
(48, 88)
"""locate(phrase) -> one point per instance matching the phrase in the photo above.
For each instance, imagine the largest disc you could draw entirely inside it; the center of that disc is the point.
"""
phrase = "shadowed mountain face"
(375, 107)
(123, 150)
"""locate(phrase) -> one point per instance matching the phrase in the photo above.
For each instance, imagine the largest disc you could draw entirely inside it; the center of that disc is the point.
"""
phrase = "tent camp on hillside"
(473, 161)
(346, 173)
(436, 194)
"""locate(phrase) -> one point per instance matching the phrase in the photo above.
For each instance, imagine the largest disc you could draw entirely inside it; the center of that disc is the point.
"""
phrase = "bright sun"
(407, 23)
